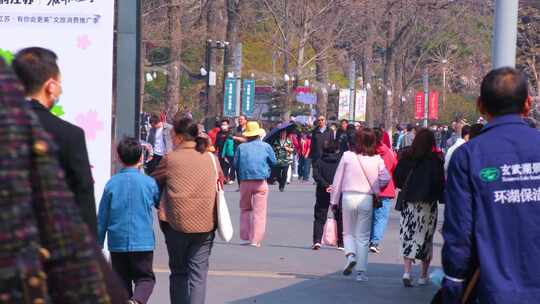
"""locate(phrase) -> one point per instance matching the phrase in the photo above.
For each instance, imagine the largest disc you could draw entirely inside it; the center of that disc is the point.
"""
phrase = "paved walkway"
(285, 270)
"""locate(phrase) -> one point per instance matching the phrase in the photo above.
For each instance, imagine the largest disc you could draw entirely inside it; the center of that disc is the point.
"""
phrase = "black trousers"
(135, 268)
(189, 259)
(152, 165)
(322, 204)
(279, 173)
(227, 165)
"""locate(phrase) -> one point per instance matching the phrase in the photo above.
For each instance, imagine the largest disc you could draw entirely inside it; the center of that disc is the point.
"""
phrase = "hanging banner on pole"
(248, 97)
(344, 104)
(81, 34)
(229, 98)
(419, 106)
(360, 105)
(433, 105)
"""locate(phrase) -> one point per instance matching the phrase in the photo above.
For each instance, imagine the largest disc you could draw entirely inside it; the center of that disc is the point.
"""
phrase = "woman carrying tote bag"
(188, 177)
(359, 175)
(420, 173)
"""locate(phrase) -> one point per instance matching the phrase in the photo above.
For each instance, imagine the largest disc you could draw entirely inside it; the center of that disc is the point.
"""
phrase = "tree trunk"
(172, 94)
(142, 75)
(322, 75)
(303, 42)
(322, 79)
(398, 94)
(367, 60)
(215, 30)
(233, 18)
(389, 74)
(286, 112)
(366, 76)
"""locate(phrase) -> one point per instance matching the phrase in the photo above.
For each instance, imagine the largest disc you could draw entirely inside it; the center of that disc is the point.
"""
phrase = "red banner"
(434, 105)
(419, 106)
(304, 90)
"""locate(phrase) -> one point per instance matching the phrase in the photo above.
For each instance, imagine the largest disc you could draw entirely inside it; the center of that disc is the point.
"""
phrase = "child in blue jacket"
(125, 215)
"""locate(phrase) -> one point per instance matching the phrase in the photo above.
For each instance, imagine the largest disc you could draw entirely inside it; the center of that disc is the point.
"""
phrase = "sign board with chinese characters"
(433, 105)
(229, 98)
(419, 106)
(360, 105)
(344, 104)
(248, 97)
(80, 32)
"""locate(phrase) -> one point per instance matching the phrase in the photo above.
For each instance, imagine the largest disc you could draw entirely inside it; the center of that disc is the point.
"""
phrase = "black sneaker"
(351, 263)
(316, 246)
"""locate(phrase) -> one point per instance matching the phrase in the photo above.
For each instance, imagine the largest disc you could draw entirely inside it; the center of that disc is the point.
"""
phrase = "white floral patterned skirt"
(417, 227)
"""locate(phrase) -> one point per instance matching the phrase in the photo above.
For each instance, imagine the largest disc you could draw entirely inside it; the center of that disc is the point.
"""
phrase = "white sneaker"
(423, 281)
(351, 262)
(361, 277)
(374, 249)
(407, 281)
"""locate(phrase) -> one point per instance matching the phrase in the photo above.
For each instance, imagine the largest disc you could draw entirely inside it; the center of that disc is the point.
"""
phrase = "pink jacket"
(350, 177)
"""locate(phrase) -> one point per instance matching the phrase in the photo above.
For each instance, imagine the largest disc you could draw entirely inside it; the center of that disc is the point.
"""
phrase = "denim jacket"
(253, 160)
(125, 212)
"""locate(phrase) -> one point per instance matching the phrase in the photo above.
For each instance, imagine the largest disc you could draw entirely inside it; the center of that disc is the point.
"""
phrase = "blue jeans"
(380, 221)
(304, 164)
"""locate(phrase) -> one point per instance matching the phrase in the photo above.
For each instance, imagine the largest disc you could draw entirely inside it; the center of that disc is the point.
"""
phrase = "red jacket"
(390, 161)
(386, 139)
(213, 134)
(304, 147)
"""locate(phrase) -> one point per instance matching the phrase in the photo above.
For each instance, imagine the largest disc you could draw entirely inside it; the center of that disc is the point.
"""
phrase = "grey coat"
(167, 138)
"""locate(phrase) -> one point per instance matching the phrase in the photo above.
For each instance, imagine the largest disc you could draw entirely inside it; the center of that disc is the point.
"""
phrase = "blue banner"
(229, 98)
(248, 97)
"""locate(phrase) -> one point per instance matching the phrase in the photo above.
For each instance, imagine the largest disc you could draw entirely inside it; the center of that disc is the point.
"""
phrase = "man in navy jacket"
(39, 73)
(492, 216)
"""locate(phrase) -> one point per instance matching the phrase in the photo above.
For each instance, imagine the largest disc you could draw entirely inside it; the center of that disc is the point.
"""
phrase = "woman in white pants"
(359, 176)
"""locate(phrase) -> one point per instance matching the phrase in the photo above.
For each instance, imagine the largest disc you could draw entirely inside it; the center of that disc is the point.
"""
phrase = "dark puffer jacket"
(323, 174)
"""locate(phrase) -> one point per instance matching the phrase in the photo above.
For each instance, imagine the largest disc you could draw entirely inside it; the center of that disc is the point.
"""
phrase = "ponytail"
(202, 143)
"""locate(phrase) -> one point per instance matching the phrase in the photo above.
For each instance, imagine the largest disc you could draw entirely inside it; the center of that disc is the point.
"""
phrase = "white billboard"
(344, 109)
(81, 34)
(360, 105)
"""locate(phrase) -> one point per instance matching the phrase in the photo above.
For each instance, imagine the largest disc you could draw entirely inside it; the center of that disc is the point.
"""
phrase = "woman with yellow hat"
(253, 161)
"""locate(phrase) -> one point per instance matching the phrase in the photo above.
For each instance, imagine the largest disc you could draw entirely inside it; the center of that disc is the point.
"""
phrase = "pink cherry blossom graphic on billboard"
(83, 42)
(90, 123)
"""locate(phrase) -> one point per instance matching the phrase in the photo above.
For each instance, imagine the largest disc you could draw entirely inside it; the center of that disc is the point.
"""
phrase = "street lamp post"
(211, 81)
(505, 33)
(426, 96)
(274, 56)
(352, 88)
(444, 62)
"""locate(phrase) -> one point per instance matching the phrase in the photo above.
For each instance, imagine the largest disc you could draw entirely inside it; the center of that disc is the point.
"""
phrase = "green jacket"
(228, 148)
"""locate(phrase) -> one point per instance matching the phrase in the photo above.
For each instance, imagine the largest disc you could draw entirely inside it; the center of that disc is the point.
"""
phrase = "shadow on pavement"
(384, 286)
(324, 248)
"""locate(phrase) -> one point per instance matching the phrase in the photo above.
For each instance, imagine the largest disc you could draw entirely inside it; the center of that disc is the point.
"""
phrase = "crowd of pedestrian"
(486, 175)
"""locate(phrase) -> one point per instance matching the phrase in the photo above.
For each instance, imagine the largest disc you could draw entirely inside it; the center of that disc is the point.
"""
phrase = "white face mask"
(224, 128)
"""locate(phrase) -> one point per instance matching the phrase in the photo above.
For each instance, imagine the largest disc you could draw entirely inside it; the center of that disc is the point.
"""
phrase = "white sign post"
(344, 104)
(360, 104)
(81, 34)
